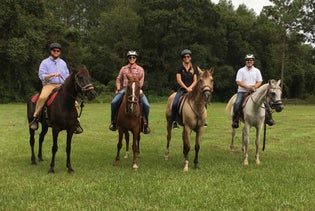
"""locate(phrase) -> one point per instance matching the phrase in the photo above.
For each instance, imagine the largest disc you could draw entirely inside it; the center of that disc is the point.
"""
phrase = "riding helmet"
(132, 53)
(54, 45)
(250, 56)
(185, 51)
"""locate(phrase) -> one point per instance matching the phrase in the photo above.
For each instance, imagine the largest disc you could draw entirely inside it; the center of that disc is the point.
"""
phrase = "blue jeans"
(117, 99)
(179, 93)
(238, 102)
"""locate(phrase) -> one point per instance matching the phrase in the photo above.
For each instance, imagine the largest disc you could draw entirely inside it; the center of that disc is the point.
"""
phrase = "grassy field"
(283, 181)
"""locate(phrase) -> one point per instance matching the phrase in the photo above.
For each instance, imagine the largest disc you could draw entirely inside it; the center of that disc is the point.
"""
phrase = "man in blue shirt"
(53, 72)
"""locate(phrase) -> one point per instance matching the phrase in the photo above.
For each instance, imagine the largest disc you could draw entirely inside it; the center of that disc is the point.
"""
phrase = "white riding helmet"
(250, 56)
(132, 53)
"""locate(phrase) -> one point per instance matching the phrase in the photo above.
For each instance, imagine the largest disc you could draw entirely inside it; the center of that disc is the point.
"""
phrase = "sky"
(257, 5)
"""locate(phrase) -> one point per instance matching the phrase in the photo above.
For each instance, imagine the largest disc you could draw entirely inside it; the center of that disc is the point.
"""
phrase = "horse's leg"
(168, 137)
(135, 150)
(138, 145)
(54, 149)
(245, 137)
(186, 145)
(232, 147)
(127, 138)
(258, 130)
(32, 143)
(41, 140)
(119, 145)
(199, 133)
(68, 150)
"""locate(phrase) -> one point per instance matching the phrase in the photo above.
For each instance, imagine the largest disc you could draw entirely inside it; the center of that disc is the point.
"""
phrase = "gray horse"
(254, 113)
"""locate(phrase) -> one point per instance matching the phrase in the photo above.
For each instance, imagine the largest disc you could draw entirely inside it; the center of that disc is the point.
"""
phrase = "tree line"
(98, 33)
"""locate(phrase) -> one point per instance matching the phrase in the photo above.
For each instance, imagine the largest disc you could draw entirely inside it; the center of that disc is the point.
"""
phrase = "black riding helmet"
(54, 45)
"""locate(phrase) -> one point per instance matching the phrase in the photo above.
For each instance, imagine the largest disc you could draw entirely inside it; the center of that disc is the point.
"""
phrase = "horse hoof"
(34, 163)
(257, 162)
(165, 157)
(51, 171)
(70, 171)
(245, 163)
(116, 163)
(135, 166)
(186, 169)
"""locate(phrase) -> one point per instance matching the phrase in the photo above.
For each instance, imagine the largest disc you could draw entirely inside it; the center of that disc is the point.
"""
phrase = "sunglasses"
(184, 57)
(132, 57)
(249, 60)
(55, 50)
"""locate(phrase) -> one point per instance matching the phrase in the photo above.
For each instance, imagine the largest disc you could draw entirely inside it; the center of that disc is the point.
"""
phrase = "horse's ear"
(279, 82)
(73, 70)
(199, 70)
(211, 70)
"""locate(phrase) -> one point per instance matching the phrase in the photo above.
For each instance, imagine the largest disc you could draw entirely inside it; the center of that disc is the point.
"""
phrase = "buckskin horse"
(192, 115)
(129, 119)
(61, 114)
(254, 113)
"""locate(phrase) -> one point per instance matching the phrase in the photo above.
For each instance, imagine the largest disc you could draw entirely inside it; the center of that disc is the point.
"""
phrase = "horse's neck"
(195, 98)
(68, 90)
(260, 95)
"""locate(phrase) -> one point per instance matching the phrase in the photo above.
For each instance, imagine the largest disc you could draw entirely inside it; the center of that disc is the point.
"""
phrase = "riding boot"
(113, 126)
(235, 120)
(146, 129)
(268, 116)
(34, 124)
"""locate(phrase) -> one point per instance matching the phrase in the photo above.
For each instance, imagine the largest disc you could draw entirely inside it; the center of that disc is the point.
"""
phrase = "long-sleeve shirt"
(48, 66)
(134, 70)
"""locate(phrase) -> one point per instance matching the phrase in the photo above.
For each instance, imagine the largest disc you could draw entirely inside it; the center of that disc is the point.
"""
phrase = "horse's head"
(132, 94)
(274, 95)
(206, 83)
(83, 82)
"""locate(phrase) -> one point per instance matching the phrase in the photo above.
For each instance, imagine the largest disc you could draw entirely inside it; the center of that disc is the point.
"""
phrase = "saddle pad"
(51, 98)
(35, 98)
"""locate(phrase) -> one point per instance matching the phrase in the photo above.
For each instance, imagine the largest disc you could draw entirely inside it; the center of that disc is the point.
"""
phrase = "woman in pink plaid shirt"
(121, 82)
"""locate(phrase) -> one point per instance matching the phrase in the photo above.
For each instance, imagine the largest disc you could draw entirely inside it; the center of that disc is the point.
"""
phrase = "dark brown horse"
(193, 114)
(61, 114)
(129, 119)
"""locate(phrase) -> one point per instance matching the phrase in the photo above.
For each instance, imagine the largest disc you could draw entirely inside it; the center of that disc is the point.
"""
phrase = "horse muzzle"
(207, 96)
(89, 92)
(278, 106)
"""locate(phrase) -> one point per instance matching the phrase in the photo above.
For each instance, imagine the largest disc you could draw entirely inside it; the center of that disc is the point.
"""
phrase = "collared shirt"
(134, 70)
(248, 76)
(48, 66)
(187, 75)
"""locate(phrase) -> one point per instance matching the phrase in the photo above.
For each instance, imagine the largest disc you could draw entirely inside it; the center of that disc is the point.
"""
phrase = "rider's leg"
(174, 109)
(114, 107)
(236, 107)
(146, 111)
(46, 90)
(268, 116)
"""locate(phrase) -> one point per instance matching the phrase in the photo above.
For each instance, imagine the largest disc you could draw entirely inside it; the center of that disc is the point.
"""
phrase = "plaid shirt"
(134, 70)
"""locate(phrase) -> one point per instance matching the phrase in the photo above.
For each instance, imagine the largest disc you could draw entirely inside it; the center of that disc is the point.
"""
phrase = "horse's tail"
(229, 106)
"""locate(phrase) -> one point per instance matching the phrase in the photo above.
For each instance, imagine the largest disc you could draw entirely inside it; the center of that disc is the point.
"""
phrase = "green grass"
(283, 181)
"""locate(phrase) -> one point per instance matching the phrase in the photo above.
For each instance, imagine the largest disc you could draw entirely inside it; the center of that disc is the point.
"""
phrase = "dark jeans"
(179, 93)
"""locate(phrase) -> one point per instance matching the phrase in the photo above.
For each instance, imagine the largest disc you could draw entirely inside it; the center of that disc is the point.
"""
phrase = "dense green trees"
(98, 34)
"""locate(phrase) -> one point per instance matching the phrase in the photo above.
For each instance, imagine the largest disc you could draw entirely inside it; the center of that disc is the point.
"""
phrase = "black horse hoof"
(70, 170)
(51, 171)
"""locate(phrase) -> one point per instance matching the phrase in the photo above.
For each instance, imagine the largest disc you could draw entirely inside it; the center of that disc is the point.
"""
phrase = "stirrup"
(78, 129)
(34, 124)
(174, 125)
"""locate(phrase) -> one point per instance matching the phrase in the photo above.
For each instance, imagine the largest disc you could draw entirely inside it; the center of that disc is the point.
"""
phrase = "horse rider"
(186, 76)
(248, 79)
(53, 72)
(121, 82)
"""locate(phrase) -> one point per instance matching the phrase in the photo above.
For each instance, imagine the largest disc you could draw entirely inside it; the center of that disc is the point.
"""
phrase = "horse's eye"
(272, 94)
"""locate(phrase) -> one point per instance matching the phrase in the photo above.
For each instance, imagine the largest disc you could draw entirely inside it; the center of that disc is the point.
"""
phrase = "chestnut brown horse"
(192, 115)
(61, 114)
(129, 119)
